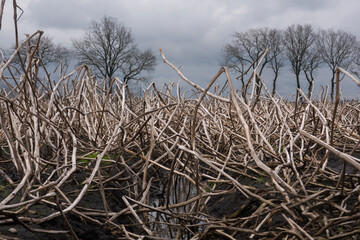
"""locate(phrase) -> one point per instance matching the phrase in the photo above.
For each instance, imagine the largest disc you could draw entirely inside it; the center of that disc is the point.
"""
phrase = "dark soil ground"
(224, 206)
(84, 229)
(230, 205)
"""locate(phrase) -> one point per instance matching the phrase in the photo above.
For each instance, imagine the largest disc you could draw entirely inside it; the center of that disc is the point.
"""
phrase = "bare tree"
(253, 42)
(247, 48)
(298, 40)
(47, 51)
(311, 64)
(337, 49)
(356, 66)
(276, 54)
(234, 58)
(109, 48)
(137, 63)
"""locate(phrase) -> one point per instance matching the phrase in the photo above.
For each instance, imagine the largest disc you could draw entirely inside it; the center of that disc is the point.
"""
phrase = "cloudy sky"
(190, 32)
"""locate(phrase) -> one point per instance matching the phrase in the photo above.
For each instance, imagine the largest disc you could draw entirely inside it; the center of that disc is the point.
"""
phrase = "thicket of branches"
(217, 165)
(223, 164)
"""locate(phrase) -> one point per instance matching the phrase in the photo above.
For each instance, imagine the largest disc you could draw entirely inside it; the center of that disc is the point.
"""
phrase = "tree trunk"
(297, 92)
(274, 84)
(332, 86)
(310, 88)
(109, 84)
(258, 89)
(298, 80)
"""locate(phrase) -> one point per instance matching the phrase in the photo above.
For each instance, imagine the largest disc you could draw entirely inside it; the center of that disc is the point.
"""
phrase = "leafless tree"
(109, 48)
(137, 63)
(234, 58)
(337, 49)
(247, 48)
(298, 40)
(356, 66)
(276, 54)
(253, 42)
(47, 51)
(311, 64)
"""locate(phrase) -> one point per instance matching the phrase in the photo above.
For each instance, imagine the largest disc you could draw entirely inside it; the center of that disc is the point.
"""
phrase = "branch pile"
(220, 164)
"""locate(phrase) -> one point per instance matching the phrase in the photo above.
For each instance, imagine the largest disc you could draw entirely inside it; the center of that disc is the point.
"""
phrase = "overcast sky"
(190, 32)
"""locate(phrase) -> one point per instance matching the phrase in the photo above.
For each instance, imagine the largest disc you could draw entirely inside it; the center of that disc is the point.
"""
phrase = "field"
(80, 162)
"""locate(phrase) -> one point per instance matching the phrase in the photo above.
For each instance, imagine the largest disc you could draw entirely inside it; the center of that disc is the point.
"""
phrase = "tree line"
(302, 47)
(109, 48)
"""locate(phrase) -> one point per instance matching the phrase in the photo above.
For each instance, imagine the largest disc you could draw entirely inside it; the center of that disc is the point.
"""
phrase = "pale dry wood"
(74, 140)
(356, 81)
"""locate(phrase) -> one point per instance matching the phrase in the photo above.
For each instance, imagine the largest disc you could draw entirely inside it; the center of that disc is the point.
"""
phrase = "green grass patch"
(210, 185)
(90, 157)
(260, 179)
